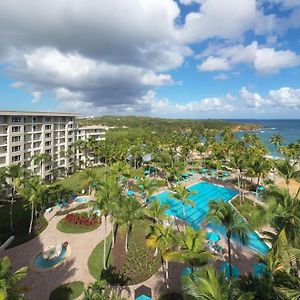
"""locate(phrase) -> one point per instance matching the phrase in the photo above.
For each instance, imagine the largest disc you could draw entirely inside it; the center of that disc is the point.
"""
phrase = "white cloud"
(153, 79)
(36, 96)
(263, 59)
(285, 97)
(221, 76)
(214, 64)
(269, 60)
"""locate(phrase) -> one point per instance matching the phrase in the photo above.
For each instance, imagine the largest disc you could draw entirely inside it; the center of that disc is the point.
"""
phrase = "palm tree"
(9, 281)
(288, 171)
(208, 284)
(182, 194)
(224, 214)
(16, 174)
(276, 140)
(191, 248)
(260, 167)
(163, 239)
(130, 210)
(148, 187)
(41, 159)
(156, 211)
(90, 176)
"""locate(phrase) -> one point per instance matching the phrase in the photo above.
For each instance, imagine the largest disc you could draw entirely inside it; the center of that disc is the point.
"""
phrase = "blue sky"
(184, 58)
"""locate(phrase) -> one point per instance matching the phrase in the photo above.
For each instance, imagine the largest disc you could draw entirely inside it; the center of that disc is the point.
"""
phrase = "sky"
(163, 58)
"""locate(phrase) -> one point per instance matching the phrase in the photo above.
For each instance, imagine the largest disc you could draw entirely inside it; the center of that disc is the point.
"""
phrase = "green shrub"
(79, 207)
(67, 291)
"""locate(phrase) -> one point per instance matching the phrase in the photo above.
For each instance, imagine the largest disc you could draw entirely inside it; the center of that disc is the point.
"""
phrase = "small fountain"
(50, 257)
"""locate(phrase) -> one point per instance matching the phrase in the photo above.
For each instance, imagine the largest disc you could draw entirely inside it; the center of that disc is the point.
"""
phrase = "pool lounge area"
(205, 192)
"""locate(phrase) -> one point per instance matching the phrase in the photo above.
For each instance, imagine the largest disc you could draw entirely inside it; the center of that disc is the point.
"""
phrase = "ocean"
(288, 129)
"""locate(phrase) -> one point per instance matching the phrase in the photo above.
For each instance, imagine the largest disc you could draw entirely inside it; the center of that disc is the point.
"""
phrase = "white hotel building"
(24, 134)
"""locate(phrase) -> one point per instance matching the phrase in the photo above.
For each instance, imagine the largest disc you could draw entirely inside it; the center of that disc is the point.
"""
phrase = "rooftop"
(35, 113)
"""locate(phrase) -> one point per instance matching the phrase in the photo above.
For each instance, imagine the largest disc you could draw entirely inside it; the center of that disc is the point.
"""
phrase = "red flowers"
(82, 219)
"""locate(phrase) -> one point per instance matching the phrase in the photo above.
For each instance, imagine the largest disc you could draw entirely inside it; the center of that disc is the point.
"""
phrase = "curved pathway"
(73, 268)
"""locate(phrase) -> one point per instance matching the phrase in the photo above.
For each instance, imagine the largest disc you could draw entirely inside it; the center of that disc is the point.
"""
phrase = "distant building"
(24, 134)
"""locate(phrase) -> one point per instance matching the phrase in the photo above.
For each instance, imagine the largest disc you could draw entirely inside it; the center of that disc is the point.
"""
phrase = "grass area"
(67, 291)
(66, 227)
(21, 220)
(95, 261)
(140, 263)
(76, 183)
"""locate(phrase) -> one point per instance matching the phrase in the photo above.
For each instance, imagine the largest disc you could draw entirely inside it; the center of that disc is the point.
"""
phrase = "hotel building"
(25, 134)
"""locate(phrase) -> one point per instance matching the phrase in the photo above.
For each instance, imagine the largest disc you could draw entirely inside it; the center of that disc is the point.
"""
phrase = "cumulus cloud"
(284, 97)
(263, 59)
(214, 64)
(221, 76)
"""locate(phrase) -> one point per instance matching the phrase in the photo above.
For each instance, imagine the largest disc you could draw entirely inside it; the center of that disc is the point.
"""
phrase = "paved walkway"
(73, 268)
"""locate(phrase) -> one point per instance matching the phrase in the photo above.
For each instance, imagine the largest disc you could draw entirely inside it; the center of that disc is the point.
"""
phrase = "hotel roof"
(35, 113)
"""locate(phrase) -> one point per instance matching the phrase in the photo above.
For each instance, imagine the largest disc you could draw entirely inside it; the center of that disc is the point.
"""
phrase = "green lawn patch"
(65, 226)
(140, 263)
(67, 291)
(95, 261)
(76, 183)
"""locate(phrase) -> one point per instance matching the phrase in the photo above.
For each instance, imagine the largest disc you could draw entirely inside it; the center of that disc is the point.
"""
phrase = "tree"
(260, 167)
(224, 214)
(182, 194)
(9, 281)
(148, 187)
(190, 249)
(90, 176)
(288, 170)
(208, 284)
(41, 159)
(16, 175)
(156, 211)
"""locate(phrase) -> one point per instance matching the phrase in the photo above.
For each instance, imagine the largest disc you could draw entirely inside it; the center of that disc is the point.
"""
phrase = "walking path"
(73, 268)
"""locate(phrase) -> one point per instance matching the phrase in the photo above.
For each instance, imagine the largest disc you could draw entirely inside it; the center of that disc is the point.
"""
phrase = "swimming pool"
(83, 199)
(205, 192)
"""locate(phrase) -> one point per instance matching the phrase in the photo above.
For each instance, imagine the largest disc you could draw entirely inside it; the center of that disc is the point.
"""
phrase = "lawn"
(76, 183)
(21, 219)
(95, 261)
(67, 291)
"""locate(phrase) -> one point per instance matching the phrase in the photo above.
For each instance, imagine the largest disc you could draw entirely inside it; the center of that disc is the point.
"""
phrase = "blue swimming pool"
(205, 192)
(83, 199)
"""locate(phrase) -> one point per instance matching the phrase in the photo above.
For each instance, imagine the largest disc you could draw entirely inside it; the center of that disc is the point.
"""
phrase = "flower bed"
(78, 223)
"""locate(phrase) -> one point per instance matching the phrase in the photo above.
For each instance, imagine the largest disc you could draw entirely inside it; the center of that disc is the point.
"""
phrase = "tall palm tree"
(182, 194)
(163, 239)
(209, 284)
(148, 187)
(260, 167)
(288, 170)
(224, 214)
(16, 174)
(276, 140)
(130, 210)
(156, 211)
(10, 287)
(90, 176)
(41, 159)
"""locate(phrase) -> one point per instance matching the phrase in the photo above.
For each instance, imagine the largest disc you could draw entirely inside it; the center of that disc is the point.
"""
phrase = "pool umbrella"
(259, 270)
(143, 293)
(130, 193)
(186, 271)
(260, 188)
(213, 236)
(225, 269)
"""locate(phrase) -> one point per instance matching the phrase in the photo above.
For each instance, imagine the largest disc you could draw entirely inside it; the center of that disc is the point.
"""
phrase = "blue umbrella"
(130, 193)
(260, 188)
(186, 271)
(212, 236)
(226, 270)
(259, 270)
(143, 297)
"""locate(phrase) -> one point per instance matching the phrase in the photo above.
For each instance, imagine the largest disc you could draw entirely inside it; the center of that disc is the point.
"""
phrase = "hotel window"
(48, 151)
(48, 119)
(16, 139)
(48, 135)
(16, 119)
(47, 168)
(16, 158)
(48, 127)
(16, 129)
(16, 148)
(48, 143)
